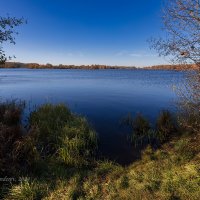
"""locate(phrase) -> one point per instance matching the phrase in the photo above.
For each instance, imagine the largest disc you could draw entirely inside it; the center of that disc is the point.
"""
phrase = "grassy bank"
(54, 157)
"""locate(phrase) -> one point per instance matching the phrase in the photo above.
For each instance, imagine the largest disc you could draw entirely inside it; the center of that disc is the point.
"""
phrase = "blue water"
(104, 97)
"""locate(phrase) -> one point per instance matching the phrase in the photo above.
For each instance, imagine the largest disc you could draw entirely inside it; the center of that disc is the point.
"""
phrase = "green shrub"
(140, 129)
(48, 122)
(165, 126)
(63, 136)
(142, 133)
(140, 125)
(77, 143)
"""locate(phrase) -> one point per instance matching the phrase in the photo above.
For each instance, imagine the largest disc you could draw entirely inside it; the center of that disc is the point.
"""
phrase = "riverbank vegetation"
(54, 157)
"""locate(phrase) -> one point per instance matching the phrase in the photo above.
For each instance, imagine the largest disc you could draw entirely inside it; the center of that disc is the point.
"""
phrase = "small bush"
(165, 126)
(140, 125)
(143, 134)
(140, 129)
(48, 122)
(77, 144)
(62, 136)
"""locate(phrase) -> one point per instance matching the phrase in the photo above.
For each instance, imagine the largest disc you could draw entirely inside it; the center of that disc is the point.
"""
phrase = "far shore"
(16, 65)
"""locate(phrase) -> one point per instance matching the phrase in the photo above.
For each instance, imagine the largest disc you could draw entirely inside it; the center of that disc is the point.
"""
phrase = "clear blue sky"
(112, 32)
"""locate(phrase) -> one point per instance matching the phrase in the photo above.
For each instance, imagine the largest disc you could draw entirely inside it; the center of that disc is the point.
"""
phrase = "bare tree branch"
(181, 20)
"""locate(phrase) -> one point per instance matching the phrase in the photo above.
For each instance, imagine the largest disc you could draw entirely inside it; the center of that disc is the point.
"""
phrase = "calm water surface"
(104, 97)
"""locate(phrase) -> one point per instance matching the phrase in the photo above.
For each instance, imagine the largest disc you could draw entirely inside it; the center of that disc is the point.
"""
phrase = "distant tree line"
(50, 66)
(61, 66)
(174, 67)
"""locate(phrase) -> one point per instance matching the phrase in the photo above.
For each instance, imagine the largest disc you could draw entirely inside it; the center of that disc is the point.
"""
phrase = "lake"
(104, 97)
